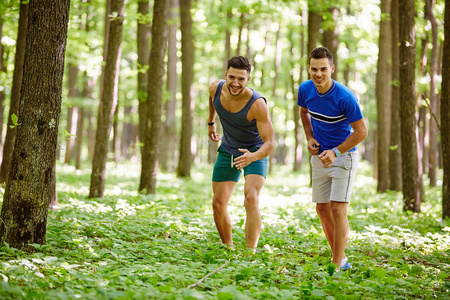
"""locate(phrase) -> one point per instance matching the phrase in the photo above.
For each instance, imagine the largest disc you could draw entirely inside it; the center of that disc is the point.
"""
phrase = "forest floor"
(132, 246)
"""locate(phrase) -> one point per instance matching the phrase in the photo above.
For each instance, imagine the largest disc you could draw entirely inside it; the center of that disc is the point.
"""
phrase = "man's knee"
(251, 200)
(339, 209)
(219, 204)
(323, 209)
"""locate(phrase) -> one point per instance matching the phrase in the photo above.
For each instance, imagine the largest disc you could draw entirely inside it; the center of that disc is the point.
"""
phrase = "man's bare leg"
(326, 218)
(341, 230)
(222, 194)
(252, 188)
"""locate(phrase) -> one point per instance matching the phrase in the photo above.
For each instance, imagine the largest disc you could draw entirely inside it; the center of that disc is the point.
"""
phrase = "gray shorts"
(336, 182)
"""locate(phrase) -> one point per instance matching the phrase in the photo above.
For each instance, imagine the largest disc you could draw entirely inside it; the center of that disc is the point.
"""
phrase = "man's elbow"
(363, 134)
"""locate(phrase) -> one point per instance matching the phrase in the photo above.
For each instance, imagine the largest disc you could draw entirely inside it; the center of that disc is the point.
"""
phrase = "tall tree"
(25, 204)
(2, 72)
(314, 25)
(433, 97)
(150, 151)
(169, 137)
(187, 79)
(143, 35)
(72, 111)
(445, 114)
(412, 182)
(383, 95)
(330, 34)
(108, 100)
(8, 146)
(395, 159)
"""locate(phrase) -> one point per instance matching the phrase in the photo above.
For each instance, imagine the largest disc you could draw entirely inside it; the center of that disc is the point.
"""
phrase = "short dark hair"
(321, 52)
(239, 62)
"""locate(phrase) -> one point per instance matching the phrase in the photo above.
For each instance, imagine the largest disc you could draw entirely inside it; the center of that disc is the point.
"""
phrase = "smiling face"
(237, 79)
(320, 71)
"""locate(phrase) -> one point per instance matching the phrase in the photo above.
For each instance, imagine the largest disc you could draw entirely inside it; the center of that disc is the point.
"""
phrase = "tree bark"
(2, 92)
(412, 183)
(127, 132)
(143, 35)
(187, 78)
(330, 35)
(445, 114)
(26, 199)
(169, 137)
(395, 159)
(8, 146)
(314, 25)
(108, 100)
(277, 62)
(432, 157)
(72, 112)
(383, 95)
(150, 151)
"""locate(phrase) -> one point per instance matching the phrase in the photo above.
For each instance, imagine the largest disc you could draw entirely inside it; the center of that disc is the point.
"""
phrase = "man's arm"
(215, 137)
(260, 113)
(313, 145)
(359, 134)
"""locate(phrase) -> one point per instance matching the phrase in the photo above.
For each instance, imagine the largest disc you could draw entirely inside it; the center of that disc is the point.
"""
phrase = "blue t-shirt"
(331, 113)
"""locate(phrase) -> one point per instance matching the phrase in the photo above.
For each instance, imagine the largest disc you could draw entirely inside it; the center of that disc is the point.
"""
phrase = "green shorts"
(224, 171)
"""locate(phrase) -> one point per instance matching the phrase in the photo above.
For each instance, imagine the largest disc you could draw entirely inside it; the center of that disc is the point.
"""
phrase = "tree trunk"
(395, 159)
(432, 157)
(108, 100)
(143, 35)
(116, 135)
(383, 95)
(127, 132)
(330, 35)
(8, 146)
(79, 138)
(314, 25)
(26, 199)
(72, 112)
(150, 151)
(227, 55)
(412, 183)
(187, 78)
(2, 92)
(169, 137)
(298, 154)
(241, 28)
(445, 114)
(277, 62)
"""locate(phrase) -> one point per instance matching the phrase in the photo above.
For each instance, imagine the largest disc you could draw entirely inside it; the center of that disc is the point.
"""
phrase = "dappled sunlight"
(398, 237)
(90, 206)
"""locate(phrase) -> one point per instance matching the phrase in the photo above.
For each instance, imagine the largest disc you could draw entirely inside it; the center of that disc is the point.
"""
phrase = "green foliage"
(132, 246)
(14, 120)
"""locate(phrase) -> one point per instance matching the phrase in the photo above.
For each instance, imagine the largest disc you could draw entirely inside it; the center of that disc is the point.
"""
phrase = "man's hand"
(327, 157)
(215, 137)
(243, 160)
(313, 146)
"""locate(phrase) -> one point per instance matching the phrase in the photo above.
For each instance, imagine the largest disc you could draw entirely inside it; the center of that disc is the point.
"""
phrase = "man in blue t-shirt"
(334, 125)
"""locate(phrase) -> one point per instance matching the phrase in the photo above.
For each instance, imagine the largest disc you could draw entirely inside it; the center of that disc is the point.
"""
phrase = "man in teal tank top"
(248, 139)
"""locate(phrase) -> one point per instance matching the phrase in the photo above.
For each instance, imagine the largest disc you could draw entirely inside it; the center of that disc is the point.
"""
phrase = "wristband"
(212, 123)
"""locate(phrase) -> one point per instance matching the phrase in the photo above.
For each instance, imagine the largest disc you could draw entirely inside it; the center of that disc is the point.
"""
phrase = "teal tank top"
(238, 132)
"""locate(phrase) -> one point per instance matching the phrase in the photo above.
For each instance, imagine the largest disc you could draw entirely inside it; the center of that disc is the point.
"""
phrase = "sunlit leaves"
(132, 246)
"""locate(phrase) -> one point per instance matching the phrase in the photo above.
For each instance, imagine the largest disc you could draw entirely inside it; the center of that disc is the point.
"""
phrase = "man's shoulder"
(306, 84)
(342, 88)
(213, 86)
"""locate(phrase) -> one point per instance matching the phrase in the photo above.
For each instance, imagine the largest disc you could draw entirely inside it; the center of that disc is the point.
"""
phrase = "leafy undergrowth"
(132, 246)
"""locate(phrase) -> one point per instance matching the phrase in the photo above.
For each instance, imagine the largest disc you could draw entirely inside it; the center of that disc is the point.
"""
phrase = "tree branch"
(203, 279)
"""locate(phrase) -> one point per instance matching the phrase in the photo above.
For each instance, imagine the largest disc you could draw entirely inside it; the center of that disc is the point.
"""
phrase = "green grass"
(131, 246)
